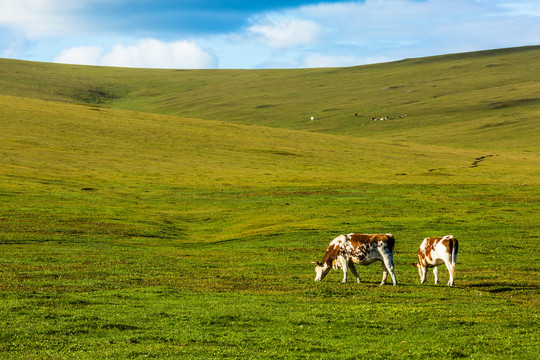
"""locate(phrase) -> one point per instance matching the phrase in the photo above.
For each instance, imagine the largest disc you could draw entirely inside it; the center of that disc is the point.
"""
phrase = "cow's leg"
(384, 273)
(344, 267)
(450, 268)
(353, 270)
(389, 264)
(423, 273)
(436, 274)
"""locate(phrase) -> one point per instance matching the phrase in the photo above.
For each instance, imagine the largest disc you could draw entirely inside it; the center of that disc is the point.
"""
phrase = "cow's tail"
(455, 248)
(391, 242)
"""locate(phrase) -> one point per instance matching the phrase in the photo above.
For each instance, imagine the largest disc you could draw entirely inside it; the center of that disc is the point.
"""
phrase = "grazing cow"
(435, 251)
(347, 250)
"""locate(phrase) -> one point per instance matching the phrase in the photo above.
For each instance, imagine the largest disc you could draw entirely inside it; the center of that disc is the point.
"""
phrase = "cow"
(346, 250)
(435, 251)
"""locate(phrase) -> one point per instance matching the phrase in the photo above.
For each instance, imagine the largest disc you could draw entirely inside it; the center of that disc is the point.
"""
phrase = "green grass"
(129, 230)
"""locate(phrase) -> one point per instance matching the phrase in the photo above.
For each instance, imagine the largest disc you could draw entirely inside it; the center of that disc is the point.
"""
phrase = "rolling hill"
(462, 99)
(254, 126)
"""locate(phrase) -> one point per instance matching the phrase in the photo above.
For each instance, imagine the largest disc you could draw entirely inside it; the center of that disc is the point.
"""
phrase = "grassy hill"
(171, 213)
(463, 99)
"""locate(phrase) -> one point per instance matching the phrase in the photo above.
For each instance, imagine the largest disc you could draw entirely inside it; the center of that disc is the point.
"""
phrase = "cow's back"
(366, 239)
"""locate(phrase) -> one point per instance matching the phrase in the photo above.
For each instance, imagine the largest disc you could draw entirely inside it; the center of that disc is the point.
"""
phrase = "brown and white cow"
(346, 250)
(435, 251)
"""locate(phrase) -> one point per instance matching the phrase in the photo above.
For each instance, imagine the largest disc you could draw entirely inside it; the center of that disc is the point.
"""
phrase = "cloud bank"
(285, 33)
(146, 53)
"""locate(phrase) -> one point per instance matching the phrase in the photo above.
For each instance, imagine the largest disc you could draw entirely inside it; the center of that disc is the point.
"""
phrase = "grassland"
(174, 214)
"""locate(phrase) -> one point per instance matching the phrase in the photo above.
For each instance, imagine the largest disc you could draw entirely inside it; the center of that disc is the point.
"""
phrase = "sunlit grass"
(134, 234)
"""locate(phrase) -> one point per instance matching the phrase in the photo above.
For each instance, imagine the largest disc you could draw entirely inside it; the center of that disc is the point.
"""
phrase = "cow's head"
(321, 270)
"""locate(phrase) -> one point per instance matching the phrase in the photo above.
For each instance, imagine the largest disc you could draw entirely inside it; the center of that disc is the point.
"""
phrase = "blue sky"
(252, 34)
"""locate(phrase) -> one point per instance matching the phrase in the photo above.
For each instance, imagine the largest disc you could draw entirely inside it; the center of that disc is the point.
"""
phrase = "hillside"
(484, 100)
(42, 139)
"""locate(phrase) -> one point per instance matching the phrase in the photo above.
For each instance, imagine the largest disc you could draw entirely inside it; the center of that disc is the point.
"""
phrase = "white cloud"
(286, 32)
(39, 18)
(146, 53)
(523, 7)
(80, 55)
(388, 23)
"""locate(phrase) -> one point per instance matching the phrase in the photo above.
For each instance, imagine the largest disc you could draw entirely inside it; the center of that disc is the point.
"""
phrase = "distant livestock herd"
(361, 249)
(386, 117)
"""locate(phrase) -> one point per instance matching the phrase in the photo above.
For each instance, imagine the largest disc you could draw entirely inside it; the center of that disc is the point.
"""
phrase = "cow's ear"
(414, 264)
(318, 263)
